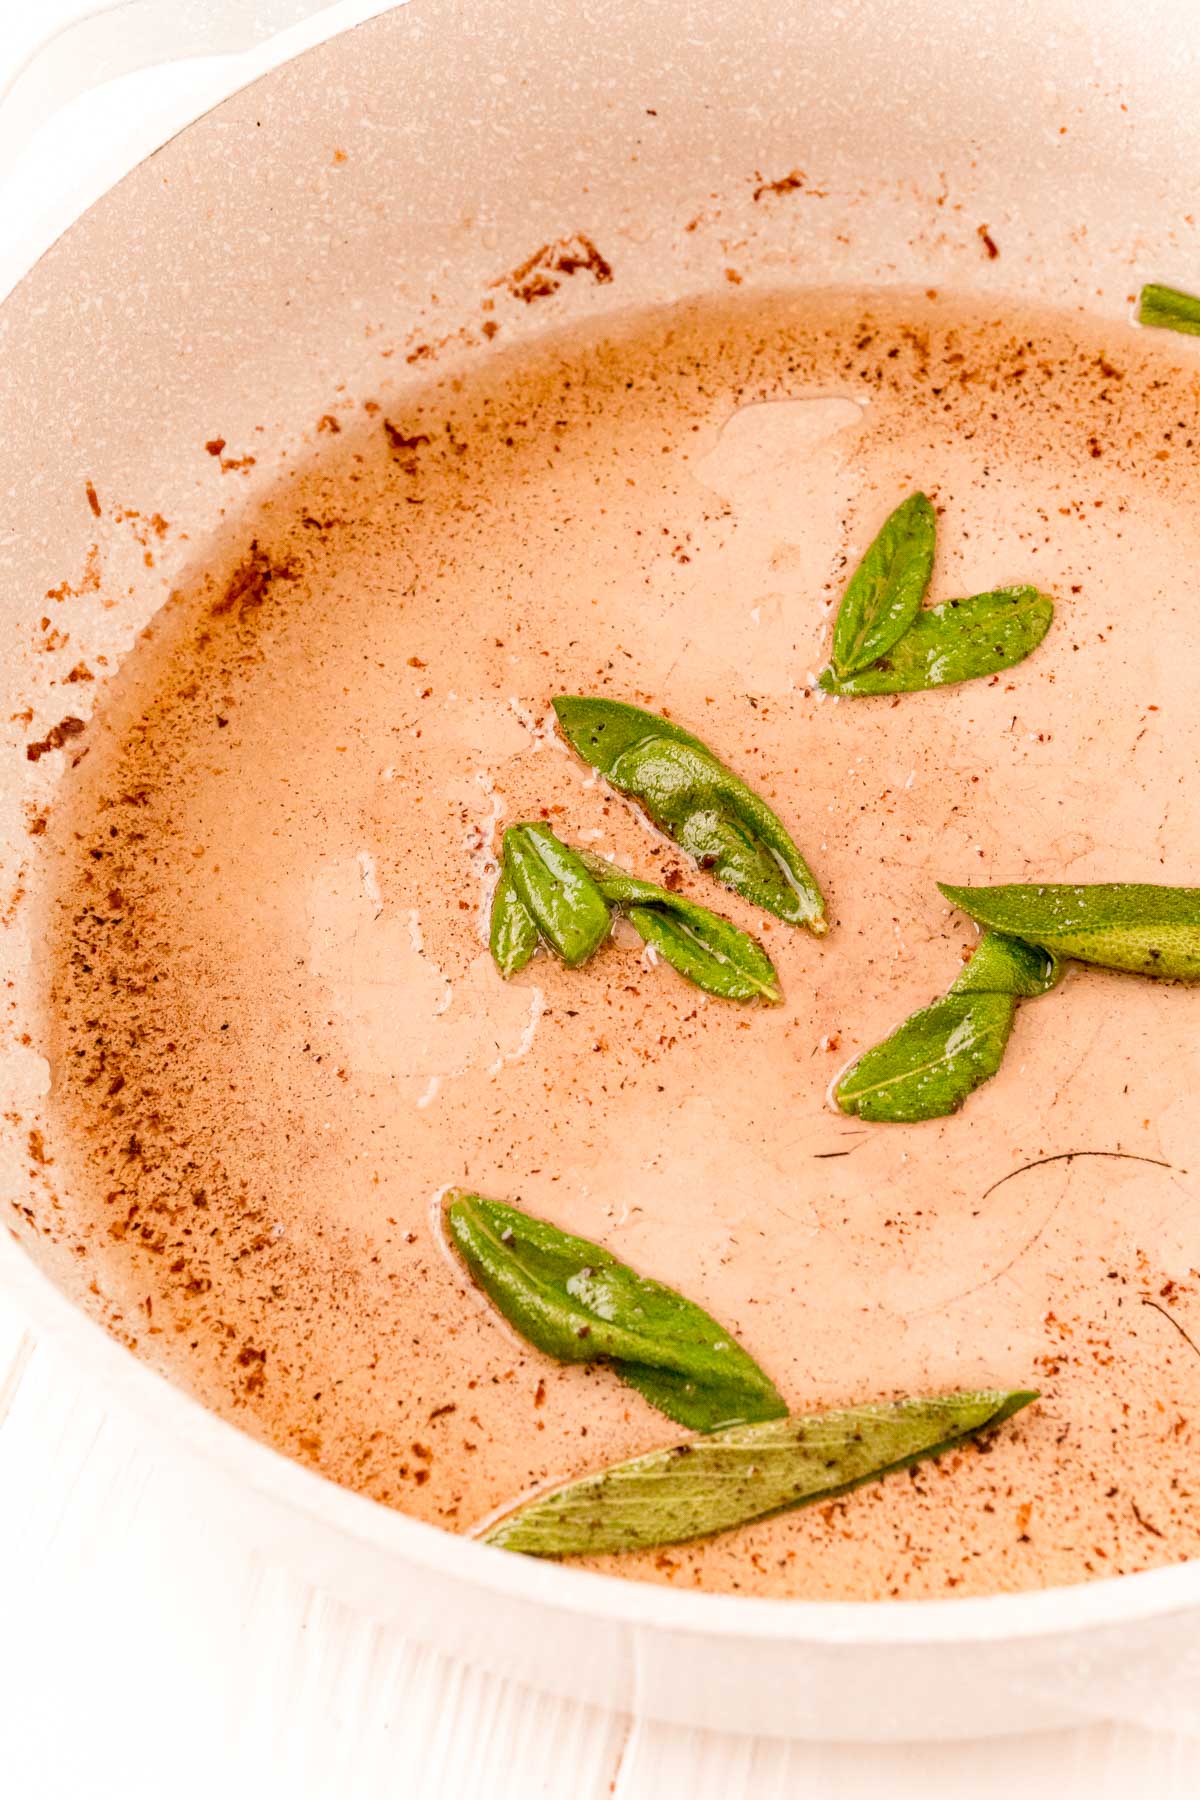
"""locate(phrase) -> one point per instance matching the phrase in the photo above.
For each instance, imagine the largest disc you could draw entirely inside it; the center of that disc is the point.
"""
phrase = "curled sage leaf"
(696, 800)
(929, 1065)
(545, 893)
(887, 588)
(576, 1302)
(733, 1477)
(1134, 926)
(1169, 309)
(960, 640)
(707, 950)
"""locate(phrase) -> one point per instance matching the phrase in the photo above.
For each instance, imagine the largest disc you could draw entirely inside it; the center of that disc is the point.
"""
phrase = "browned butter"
(276, 1034)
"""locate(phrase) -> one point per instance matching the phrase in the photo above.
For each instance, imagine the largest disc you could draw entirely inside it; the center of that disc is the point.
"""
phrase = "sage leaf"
(1143, 929)
(710, 951)
(1006, 965)
(887, 588)
(576, 1302)
(623, 890)
(929, 1065)
(566, 907)
(959, 640)
(733, 1477)
(691, 795)
(513, 937)
(1168, 308)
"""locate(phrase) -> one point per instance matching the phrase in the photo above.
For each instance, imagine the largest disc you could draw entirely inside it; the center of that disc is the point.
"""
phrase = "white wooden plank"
(1102, 1762)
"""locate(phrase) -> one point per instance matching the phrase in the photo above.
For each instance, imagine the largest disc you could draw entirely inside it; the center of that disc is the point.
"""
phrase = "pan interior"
(276, 1035)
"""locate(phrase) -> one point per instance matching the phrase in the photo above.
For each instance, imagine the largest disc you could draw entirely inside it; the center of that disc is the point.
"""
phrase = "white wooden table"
(144, 1651)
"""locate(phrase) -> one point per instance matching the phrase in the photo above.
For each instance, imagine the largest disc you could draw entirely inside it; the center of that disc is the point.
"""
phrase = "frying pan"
(363, 197)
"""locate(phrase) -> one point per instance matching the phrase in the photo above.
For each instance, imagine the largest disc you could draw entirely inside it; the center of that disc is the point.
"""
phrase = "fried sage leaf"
(710, 952)
(929, 1065)
(1141, 928)
(956, 641)
(1006, 965)
(734, 1477)
(887, 588)
(578, 1303)
(513, 936)
(695, 799)
(1168, 308)
(550, 883)
(706, 949)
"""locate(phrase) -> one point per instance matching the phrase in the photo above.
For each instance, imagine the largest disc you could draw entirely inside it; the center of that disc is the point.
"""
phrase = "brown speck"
(399, 441)
(80, 672)
(988, 241)
(253, 1360)
(327, 422)
(248, 585)
(214, 446)
(92, 498)
(55, 738)
(89, 581)
(536, 277)
(786, 184)
(1143, 1521)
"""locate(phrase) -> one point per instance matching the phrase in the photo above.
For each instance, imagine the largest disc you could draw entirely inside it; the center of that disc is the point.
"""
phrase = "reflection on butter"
(399, 1014)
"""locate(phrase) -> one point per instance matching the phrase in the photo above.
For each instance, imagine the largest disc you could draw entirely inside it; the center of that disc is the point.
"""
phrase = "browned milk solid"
(276, 1033)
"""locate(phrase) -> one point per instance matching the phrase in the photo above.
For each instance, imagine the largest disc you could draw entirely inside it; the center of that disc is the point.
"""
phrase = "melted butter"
(275, 1034)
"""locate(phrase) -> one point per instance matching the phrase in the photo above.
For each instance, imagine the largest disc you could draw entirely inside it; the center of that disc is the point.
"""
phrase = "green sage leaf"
(710, 951)
(551, 883)
(513, 936)
(1005, 965)
(929, 1065)
(887, 588)
(576, 1302)
(733, 1477)
(696, 800)
(959, 640)
(1144, 929)
(1168, 308)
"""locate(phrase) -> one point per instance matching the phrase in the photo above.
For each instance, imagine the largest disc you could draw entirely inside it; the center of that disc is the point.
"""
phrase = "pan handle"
(125, 35)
